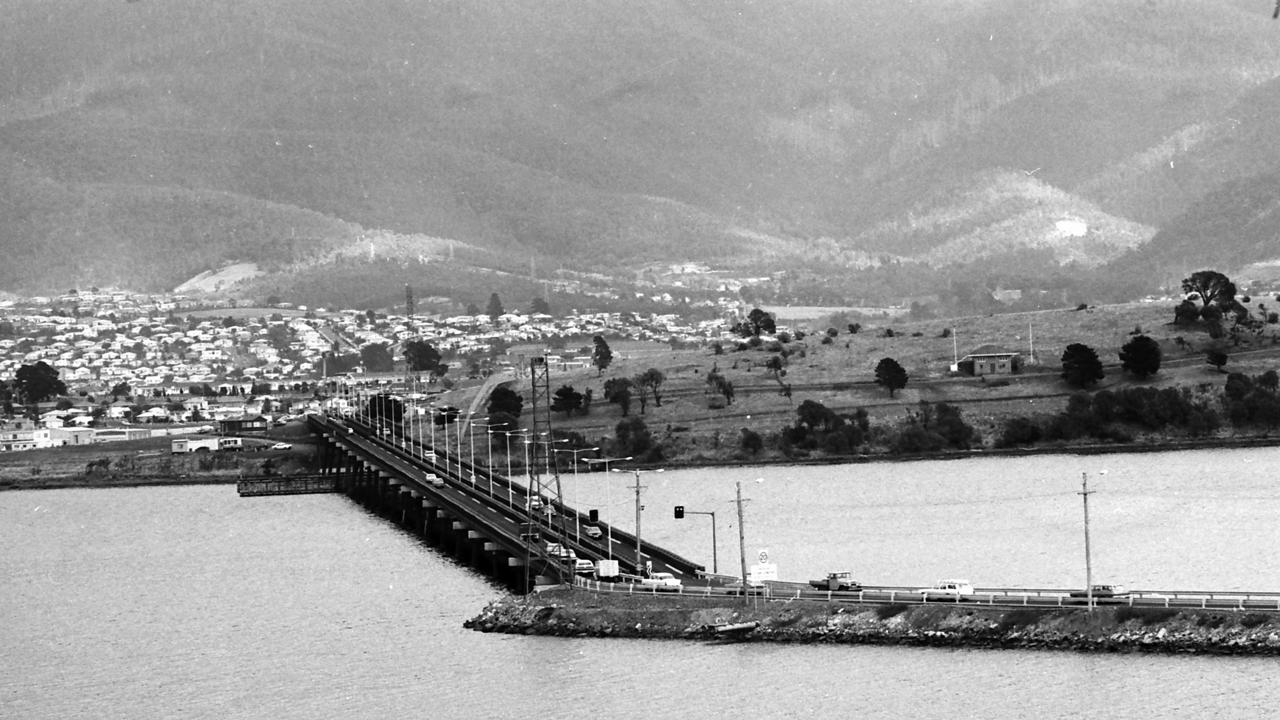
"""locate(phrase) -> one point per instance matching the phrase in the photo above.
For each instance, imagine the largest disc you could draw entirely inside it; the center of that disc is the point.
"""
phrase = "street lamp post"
(608, 494)
(577, 514)
(488, 441)
(510, 488)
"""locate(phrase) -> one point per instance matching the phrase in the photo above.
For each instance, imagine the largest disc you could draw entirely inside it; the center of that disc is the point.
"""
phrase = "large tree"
(601, 355)
(376, 357)
(1213, 287)
(1081, 366)
(422, 357)
(495, 307)
(36, 383)
(505, 400)
(761, 322)
(1141, 356)
(566, 400)
(891, 375)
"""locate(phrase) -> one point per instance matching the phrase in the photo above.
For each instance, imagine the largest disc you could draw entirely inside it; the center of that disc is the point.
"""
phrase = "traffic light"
(593, 515)
(679, 512)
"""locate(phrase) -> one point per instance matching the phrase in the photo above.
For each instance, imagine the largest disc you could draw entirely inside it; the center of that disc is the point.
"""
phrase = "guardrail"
(1044, 598)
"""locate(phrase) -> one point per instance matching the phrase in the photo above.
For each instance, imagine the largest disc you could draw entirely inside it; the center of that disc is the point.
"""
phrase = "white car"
(662, 582)
(947, 589)
(593, 531)
(282, 446)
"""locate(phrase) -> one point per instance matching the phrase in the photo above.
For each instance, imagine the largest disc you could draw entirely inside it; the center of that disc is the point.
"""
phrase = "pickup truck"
(840, 580)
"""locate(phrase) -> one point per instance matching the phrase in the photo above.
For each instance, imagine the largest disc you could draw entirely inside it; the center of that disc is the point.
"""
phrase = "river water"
(189, 602)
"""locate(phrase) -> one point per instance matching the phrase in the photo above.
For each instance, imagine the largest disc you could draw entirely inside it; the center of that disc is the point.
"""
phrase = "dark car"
(1102, 594)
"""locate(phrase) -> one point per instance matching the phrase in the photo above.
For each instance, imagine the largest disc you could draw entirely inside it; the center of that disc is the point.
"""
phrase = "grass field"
(840, 375)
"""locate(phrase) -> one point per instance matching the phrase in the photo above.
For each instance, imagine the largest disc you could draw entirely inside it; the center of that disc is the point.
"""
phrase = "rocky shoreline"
(580, 613)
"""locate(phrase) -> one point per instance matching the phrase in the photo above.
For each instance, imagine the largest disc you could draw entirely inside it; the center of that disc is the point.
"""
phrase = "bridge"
(519, 536)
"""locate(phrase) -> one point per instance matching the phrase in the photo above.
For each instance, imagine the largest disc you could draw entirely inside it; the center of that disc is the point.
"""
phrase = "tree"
(505, 400)
(494, 308)
(538, 306)
(472, 309)
(618, 391)
(119, 390)
(385, 407)
(566, 400)
(774, 365)
(1213, 287)
(633, 437)
(422, 357)
(1081, 366)
(891, 375)
(601, 355)
(1185, 313)
(651, 379)
(751, 441)
(1141, 356)
(1216, 358)
(36, 383)
(761, 322)
(816, 416)
(376, 357)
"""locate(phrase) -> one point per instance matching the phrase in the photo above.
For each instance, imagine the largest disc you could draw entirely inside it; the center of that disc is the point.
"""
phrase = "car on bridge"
(593, 531)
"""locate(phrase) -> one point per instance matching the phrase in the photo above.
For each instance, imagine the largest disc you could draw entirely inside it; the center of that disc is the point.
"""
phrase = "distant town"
(140, 365)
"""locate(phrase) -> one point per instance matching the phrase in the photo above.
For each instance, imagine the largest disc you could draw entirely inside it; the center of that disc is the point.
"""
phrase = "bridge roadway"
(492, 507)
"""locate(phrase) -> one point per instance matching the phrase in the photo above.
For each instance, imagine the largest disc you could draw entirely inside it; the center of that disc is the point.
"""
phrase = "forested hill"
(142, 142)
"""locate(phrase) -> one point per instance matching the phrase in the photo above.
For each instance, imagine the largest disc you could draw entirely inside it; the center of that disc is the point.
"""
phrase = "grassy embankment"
(840, 375)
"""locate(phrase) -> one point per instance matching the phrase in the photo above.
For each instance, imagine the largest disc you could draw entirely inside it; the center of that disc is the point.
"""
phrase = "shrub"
(1019, 430)
(1253, 620)
(884, 612)
(1147, 616)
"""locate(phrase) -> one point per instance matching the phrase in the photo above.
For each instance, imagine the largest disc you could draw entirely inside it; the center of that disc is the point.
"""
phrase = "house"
(990, 360)
(243, 424)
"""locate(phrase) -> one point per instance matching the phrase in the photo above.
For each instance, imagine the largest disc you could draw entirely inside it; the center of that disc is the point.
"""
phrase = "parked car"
(662, 582)
(947, 589)
(282, 446)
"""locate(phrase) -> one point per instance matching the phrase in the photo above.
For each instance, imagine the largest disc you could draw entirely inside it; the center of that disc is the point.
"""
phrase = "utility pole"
(1084, 493)
(639, 507)
(742, 546)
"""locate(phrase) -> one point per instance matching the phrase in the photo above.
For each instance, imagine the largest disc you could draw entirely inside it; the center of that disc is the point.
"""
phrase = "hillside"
(143, 143)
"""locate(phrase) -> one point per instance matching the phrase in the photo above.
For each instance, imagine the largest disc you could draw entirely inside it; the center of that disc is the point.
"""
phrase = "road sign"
(763, 571)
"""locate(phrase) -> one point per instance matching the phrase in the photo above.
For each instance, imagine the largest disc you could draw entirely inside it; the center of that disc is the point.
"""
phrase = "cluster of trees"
(621, 391)
(1108, 415)
(1218, 302)
(1252, 400)
(817, 427)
